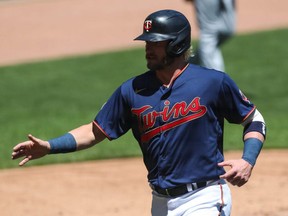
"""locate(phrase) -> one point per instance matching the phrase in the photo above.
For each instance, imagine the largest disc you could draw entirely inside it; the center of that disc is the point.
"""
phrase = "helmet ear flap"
(176, 49)
(179, 46)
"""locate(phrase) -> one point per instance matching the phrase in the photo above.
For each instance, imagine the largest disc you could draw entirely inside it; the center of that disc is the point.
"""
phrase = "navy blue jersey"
(179, 128)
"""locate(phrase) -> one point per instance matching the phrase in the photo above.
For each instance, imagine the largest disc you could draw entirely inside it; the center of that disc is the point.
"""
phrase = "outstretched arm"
(80, 138)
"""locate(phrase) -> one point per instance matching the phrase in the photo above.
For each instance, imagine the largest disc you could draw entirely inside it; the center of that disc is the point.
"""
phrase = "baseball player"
(216, 21)
(176, 112)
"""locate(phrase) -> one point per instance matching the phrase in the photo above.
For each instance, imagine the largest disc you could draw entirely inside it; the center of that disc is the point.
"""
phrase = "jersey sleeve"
(234, 105)
(114, 118)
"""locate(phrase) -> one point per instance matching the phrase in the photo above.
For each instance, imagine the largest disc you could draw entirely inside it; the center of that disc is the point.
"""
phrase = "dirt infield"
(42, 29)
(119, 187)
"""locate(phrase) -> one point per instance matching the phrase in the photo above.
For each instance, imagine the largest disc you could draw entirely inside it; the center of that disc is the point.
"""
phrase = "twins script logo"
(180, 113)
(147, 25)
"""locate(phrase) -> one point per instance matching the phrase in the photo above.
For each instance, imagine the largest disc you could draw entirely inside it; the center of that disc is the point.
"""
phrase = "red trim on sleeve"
(249, 114)
(101, 129)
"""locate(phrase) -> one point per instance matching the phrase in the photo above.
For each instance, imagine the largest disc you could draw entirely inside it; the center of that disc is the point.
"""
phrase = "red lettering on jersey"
(180, 111)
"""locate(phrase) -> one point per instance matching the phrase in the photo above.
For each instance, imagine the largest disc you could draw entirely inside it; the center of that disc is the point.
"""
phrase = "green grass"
(258, 63)
(49, 98)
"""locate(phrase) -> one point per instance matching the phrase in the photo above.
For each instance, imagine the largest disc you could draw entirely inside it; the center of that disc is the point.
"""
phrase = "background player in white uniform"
(176, 112)
(216, 21)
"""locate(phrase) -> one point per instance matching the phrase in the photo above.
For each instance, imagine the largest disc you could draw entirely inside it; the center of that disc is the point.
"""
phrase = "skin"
(166, 67)
(86, 136)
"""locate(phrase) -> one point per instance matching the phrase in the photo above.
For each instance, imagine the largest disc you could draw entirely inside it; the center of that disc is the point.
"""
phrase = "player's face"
(156, 55)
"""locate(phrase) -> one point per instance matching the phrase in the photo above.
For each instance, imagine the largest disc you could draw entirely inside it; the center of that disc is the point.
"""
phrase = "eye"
(159, 44)
(156, 43)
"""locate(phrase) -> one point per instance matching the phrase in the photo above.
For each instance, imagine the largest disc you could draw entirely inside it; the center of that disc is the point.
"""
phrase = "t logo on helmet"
(147, 25)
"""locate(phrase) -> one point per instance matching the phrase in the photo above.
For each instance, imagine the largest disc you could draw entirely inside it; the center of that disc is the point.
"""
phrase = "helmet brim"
(154, 37)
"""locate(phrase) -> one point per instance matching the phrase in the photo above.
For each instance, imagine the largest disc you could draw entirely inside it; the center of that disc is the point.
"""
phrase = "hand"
(32, 149)
(239, 173)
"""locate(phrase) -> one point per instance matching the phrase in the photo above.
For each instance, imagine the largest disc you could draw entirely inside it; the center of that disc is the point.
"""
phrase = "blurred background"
(40, 29)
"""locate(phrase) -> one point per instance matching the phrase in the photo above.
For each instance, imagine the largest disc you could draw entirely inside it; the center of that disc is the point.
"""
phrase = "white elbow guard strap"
(257, 126)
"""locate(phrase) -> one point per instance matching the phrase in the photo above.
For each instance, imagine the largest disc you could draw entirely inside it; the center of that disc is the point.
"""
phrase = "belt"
(181, 189)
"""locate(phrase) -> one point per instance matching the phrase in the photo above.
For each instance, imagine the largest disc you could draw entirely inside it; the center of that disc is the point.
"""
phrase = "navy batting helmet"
(168, 25)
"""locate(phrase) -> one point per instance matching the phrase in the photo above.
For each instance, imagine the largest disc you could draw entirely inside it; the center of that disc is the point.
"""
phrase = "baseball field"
(50, 46)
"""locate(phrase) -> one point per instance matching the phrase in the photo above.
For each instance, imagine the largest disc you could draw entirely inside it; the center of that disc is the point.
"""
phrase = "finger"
(225, 163)
(20, 146)
(228, 175)
(33, 139)
(19, 154)
(24, 161)
(224, 176)
(18, 151)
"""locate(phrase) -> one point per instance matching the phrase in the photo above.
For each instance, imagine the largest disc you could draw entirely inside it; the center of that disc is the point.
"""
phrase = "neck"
(168, 74)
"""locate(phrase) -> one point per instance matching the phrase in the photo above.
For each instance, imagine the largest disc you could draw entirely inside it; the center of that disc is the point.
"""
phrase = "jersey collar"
(175, 76)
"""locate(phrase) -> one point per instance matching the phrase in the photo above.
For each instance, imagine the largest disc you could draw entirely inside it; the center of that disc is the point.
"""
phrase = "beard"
(154, 64)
